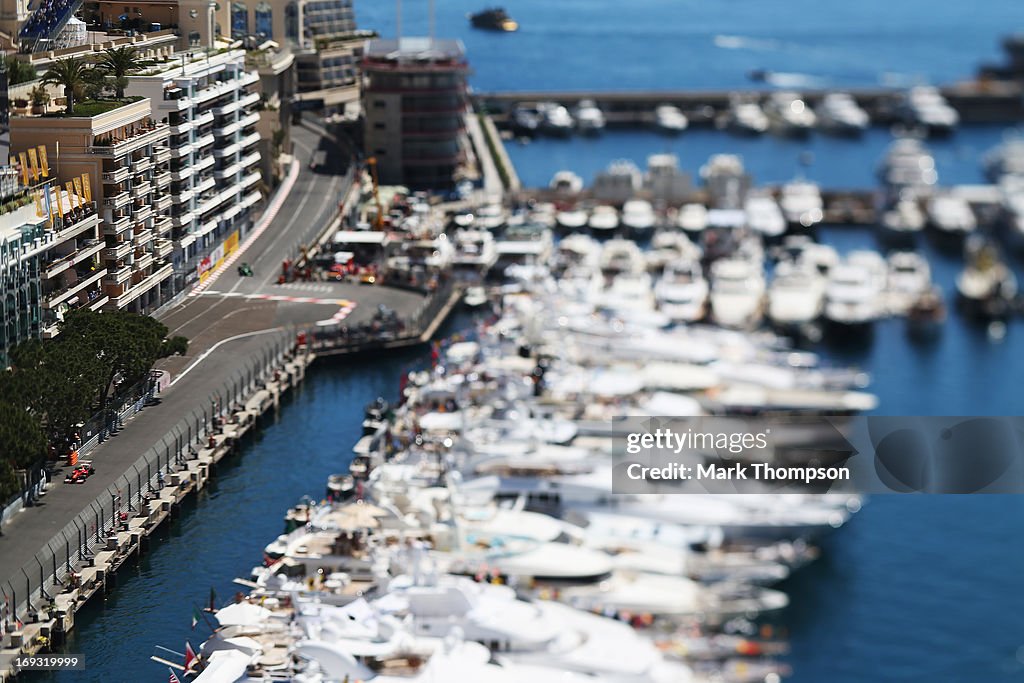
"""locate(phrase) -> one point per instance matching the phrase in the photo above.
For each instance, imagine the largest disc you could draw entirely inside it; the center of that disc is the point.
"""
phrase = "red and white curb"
(261, 226)
(346, 306)
(342, 313)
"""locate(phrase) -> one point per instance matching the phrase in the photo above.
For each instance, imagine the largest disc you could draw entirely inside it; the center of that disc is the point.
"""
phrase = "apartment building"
(210, 104)
(414, 102)
(48, 266)
(124, 153)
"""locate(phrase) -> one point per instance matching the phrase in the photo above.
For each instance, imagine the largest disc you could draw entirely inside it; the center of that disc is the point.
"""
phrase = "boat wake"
(793, 80)
(730, 42)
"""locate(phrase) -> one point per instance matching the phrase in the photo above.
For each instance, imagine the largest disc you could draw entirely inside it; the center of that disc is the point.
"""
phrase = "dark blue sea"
(914, 588)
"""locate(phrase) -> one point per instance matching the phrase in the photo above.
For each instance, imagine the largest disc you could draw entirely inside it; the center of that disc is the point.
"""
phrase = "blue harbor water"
(914, 588)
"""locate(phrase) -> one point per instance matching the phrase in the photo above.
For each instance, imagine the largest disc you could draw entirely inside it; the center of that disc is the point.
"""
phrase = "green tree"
(22, 442)
(18, 71)
(72, 73)
(118, 63)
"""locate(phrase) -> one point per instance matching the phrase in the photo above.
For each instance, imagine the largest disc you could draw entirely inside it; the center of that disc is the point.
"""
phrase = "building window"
(379, 125)
(378, 104)
(239, 20)
(264, 20)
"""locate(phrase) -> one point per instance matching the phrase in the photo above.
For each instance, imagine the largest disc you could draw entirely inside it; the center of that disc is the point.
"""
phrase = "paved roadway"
(229, 325)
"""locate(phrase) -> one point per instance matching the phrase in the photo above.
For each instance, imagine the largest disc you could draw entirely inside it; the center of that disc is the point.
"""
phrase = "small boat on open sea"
(494, 19)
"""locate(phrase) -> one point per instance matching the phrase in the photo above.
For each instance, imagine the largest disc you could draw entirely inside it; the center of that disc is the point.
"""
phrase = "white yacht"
(840, 114)
(692, 218)
(789, 114)
(951, 216)
(902, 221)
(528, 244)
(726, 180)
(566, 182)
(747, 117)
(801, 203)
(475, 249)
(1007, 159)
(737, 293)
(908, 279)
(604, 221)
(590, 120)
(572, 219)
(682, 291)
(669, 119)
(986, 285)
(925, 106)
(907, 164)
(853, 295)
(490, 217)
(796, 296)
(618, 183)
(555, 119)
(764, 216)
(621, 256)
(638, 218)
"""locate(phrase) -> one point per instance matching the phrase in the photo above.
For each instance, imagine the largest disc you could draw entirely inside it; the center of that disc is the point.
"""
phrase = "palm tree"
(70, 72)
(119, 63)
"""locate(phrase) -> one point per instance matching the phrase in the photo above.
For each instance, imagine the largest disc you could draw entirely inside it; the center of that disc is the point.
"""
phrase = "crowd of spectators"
(47, 17)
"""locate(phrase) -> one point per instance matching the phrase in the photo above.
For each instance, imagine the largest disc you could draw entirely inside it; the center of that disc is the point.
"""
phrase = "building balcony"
(161, 155)
(226, 151)
(145, 284)
(183, 174)
(94, 302)
(162, 203)
(204, 163)
(184, 219)
(117, 275)
(54, 299)
(226, 130)
(162, 225)
(182, 151)
(183, 127)
(142, 237)
(249, 140)
(163, 248)
(251, 199)
(142, 189)
(59, 265)
(183, 196)
(115, 177)
(208, 227)
(119, 148)
(204, 185)
(251, 179)
(249, 99)
(117, 201)
(204, 141)
(115, 227)
(119, 252)
(162, 179)
(229, 172)
(249, 119)
(250, 159)
(142, 262)
(203, 119)
(142, 213)
(248, 78)
(228, 108)
(142, 165)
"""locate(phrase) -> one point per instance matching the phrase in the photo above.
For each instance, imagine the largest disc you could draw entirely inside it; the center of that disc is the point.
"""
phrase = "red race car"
(78, 475)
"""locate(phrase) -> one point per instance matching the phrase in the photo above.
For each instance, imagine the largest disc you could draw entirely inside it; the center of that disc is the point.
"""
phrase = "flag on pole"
(86, 189)
(24, 168)
(172, 678)
(195, 618)
(35, 162)
(43, 165)
(190, 657)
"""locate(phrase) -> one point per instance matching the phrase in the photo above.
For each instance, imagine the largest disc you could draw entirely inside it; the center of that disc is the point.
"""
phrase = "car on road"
(83, 470)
